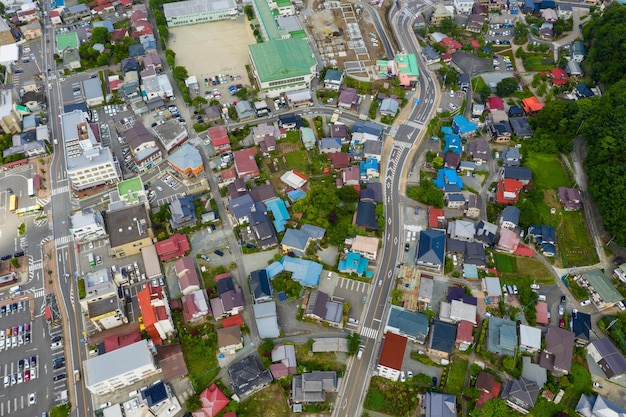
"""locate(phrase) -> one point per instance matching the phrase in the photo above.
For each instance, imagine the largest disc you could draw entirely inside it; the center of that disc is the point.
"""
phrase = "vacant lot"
(213, 48)
(548, 171)
(270, 402)
(505, 263)
(538, 63)
(456, 377)
(574, 246)
(517, 266)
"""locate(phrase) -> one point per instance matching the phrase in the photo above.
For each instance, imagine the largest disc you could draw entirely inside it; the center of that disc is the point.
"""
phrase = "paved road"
(407, 138)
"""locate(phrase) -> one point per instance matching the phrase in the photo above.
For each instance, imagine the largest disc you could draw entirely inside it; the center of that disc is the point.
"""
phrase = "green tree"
(100, 35)
(198, 102)
(193, 403)
(354, 341)
(426, 193)
(484, 91)
(243, 93)
(496, 407)
(103, 59)
(422, 381)
(506, 87)
(180, 73)
(348, 194)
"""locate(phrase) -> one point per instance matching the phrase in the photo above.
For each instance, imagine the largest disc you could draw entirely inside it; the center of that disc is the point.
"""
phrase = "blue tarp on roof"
(447, 176)
(274, 269)
(463, 126)
(295, 195)
(307, 273)
(453, 143)
(446, 130)
(280, 213)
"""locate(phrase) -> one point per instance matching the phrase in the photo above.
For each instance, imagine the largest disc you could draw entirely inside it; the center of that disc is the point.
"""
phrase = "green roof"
(266, 18)
(283, 3)
(298, 34)
(67, 40)
(407, 64)
(128, 189)
(281, 59)
(602, 285)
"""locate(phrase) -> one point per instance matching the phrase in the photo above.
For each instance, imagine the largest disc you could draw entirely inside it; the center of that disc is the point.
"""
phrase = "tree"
(506, 87)
(496, 407)
(319, 202)
(243, 93)
(193, 403)
(348, 194)
(484, 91)
(354, 341)
(180, 73)
(198, 102)
(427, 194)
(103, 59)
(100, 35)
(422, 381)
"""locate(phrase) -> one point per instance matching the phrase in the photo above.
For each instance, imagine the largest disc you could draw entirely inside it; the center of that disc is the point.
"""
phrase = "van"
(542, 297)
(15, 290)
(359, 355)
(56, 345)
(380, 282)
(218, 252)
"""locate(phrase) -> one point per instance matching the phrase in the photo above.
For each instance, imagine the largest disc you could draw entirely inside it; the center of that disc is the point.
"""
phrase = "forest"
(601, 121)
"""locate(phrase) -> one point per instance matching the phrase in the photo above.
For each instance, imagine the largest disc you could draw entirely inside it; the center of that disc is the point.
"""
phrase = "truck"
(92, 261)
(77, 376)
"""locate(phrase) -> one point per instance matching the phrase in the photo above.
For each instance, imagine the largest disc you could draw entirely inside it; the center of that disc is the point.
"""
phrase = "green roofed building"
(408, 72)
(283, 65)
(67, 41)
(131, 191)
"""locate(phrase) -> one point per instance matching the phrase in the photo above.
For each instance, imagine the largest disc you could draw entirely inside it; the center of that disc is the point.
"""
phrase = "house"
(248, 376)
(354, 263)
(557, 355)
(330, 145)
(435, 217)
(511, 157)
(570, 198)
(372, 149)
(463, 127)
(475, 23)
(486, 233)
(412, 325)
(521, 127)
(502, 336)
(598, 406)
(488, 386)
(453, 144)
(284, 361)
(391, 356)
(333, 79)
(577, 52)
(295, 241)
(182, 212)
(509, 241)
(348, 99)
(463, 80)
(372, 128)
(266, 320)
(461, 230)
(532, 372)
(606, 355)
(520, 394)
(473, 206)
(212, 114)
(431, 249)
(321, 307)
(229, 340)
(543, 313)
(475, 255)
(529, 338)
(454, 200)
(558, 76)
(218, 135)
(456, 311)
(494, 103)
(479, 150)
(366, 246)
(294, 179)
(365, 216)
(213, 401)
(574, 69)
(290, 121)
(245, 111)
(426, 286)
(310, 388)
(464, 335)
(188, 279)
(522, 174)
(439, 405)
(174, 246)
(389, 107)
(187, 161)
(245, 163)
(339, 130)
(544, 237)
(171, 361)
(443, 339)
(531, 105)
(580, 323)
(155, 310)
(129, 230)
(195, 306)
(509, 218)
(308, 138)
(508, 190)
(564, 11)
(230, 300)
(440, 14)
(515, 111)
(430, 55)
(450, 45)
(500, 130)
(260, 285)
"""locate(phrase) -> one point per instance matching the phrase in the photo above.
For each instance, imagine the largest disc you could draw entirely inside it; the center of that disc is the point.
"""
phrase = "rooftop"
(282, 59)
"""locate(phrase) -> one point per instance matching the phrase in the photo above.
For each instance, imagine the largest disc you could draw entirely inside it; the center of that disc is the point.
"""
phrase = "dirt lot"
(213, 48)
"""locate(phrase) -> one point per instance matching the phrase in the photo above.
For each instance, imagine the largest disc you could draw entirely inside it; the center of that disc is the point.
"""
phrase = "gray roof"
(373, 147)
(314, 232)
(431, 247)
(248, 375)
(493, 286)
(244, 108)
(533, 372)
(296, 239)
(521, 392)
(265, 316)
(241, 206)
(116, 363)
(502, 336)
(518, 173)
(128, 224)
(598, 406)
(559, 349)
(612, 361)
(439, 405)
(521, 127)
(408, 323)
(312, 387)
(193, 7)
(186, 157)
(510, 214)
(443, 336)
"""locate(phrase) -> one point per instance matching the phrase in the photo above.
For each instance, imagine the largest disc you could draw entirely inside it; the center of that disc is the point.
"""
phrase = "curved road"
(406, 139)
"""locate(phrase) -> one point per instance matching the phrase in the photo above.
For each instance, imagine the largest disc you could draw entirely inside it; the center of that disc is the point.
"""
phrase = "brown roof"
(228, 336)
(559, 349)
(172, 362)
(485, 381)
(392, 353)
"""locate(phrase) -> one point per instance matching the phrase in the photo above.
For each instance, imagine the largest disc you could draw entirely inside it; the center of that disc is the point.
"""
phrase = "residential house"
(570, 198)
(463, 80)
(218, 135)
(290, 121)
(229, 340)
(557, 355)
(509, 218)
(606, 355)
(440, 13)
(463, 127)
(213, 401)
(443, 339)
(521, 127)
(509, 241)
(499, 130)
(339, 130)
(365, 216)
(544, 237)
(389, 107)
(511, 157)
(311, 388)
(412, 325)
(577, 52)
(436, 217)
(295, 241)
(598, 406)
(580, 323)
(155, 310)
(431, 249)
(245, 163)
(502, 336)
(260, 285)
(474, 255)
(266, 320)
(522, 174)
(529, 339)
(531, 105)
(244, 110)
(212, 114)
(195, 306)
(439, 405)
(321, 307)
(473, 206)
(230, 301)
(183, 212)
(330, 145)
(188, 279)
(494, 103)
(488, 386)
(479, 150)
(425, 294)
(348, 98)
(461, 230)
(486, 233)
(558, 76)
(574, 69)
(457, 311)
(372, 149)
(308, 138)
(187, 161)
(248, 376)
(333, 79)
(284, 361)
(475, 23)
(520, 394)
(532, 372)
(430, 55)
(353, 262)
(464, 335)
(173, 247)
(294, 179)
(391, 356)
(366, 246)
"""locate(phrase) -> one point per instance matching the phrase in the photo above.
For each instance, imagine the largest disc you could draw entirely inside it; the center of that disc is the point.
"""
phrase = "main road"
(61, 205)
(407, 139)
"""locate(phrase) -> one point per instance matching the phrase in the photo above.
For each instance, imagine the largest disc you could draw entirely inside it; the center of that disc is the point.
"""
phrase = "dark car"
(5, 257)
(33, 361)
(435, 381)
(20, 364)
(407, 247)
(58, 365)
(10, 190)
(218, 252)
(56, 339)
(563, 299)
(59, 377)
(18, 254)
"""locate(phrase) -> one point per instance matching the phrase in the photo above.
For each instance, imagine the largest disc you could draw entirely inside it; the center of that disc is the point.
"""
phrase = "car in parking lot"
(407, 247)
(206, 258)
(585, 302)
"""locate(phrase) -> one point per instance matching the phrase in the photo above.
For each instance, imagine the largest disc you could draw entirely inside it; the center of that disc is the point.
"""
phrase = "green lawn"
(322, 361)
(534, 269)
(199, 345)
(505, 263)
(391, 398)
(292, 137)
(574, 246)
(374, 400)
(548, 171)
(456, 377)
(297, 160)
(576, 383)
(538, 62)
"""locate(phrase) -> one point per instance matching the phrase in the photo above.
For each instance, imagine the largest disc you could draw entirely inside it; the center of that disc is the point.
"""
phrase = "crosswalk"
(61, 190)
(42, 201)
(63, 240)
(35, 265)
(369, 332)
(415, 124)
(40, 292)
(400, 144)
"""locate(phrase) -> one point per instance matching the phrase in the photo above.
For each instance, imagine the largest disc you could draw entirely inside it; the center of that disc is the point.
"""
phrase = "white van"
(542, 297)
(15, 290)
(359, 355)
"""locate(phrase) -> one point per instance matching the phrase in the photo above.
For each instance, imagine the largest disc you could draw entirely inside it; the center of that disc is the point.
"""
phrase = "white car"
(402, 376)
(585, 303)
(620, 305)
(31, 398)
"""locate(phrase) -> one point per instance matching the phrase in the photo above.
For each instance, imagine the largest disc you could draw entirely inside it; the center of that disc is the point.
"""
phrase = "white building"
(463, 6)
(87, 225)
(119, 368)
(192, 12)
(88, 163)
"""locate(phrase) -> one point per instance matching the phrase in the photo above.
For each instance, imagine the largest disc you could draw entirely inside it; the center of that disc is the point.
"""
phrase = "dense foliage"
(606, 33)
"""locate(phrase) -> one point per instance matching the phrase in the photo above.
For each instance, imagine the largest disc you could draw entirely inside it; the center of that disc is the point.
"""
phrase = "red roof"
(339, 160)
(486, 396)
(475, 44)
(508, 185)
(450, 44)
(126, 3)
(213, 401)
(187, 275)
(523, 250)
(220, 277)
(115, 84)
(149, 312)
(542, 312)
(54, 13)
(465, 332)
(119, 34)
(434, 216)
(245, 162)
(558, 76)
(392, 353)
(114, 342)
(446, 57)
(532, 105)
(495, 103)
(173, 247)
(233, 321)
(219, 136)
(228, 173)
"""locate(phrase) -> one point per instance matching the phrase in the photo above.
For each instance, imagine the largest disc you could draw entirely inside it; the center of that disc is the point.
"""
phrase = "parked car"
(585, 303)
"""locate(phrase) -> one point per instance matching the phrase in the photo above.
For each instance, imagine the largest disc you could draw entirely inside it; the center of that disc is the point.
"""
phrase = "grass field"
(548, 171)
(505, 263)
(270, 402)
(323, 361)
(538, 62)
(456, 377)
(574, 246)
(297, 160)
(391, 398)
